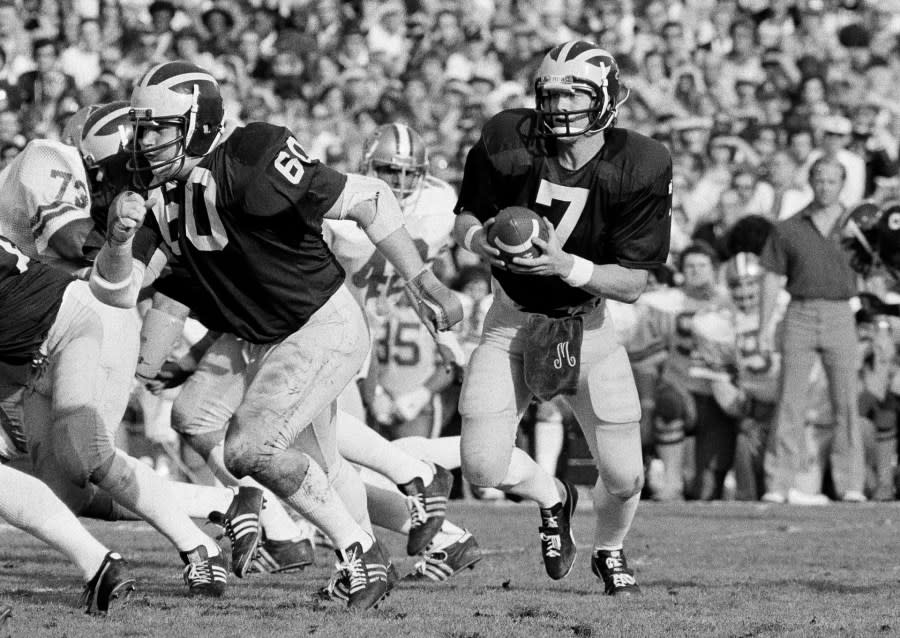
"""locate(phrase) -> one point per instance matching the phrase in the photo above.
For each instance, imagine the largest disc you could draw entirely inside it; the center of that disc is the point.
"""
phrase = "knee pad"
(482, 463)
(623, 485)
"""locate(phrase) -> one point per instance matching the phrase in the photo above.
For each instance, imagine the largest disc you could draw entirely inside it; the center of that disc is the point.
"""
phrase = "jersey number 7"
(574, 197)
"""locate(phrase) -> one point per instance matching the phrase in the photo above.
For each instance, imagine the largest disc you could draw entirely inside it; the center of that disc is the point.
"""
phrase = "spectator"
(805, 251)
(834, 137)
(82, 59)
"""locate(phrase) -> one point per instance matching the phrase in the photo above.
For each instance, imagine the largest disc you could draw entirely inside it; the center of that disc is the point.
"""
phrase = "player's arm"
(117, 277)
(370, 203)
(469, 231)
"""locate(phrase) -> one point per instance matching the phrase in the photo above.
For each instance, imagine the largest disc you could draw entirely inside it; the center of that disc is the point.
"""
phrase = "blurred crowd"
(747, 94)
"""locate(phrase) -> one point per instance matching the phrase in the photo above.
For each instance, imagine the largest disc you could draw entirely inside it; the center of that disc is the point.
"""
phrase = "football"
(513, 231)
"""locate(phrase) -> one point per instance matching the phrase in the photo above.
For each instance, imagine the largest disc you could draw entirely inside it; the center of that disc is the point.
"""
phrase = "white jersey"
(41, 190)
(371, 278)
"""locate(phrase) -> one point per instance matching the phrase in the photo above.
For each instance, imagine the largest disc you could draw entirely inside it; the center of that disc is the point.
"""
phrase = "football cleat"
(204, 575)
(427, 508)
(241, 523)
(276, 557)
(557, 541)
(440, 564)
(611, 566)
(108, 584)
(362, 578)
(338, 587)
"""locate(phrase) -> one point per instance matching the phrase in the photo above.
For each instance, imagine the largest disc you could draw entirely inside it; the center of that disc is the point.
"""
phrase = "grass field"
(725, 569)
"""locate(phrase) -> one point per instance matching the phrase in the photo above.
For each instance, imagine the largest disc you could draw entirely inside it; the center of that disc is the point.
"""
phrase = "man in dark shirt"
(805, 249)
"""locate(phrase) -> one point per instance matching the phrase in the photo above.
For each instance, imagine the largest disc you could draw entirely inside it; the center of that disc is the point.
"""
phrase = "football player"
(69, 416)
(212, 393)
(605, 195)
(243, 218)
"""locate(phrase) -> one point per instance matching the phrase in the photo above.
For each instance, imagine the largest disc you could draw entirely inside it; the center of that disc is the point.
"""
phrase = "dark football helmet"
(578, 65)
(180, 94)
(860, 236)
(399, 156)
(104, 145)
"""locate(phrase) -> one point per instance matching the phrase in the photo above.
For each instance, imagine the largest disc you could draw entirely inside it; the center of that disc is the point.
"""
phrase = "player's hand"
(437, 306)
(171, 375)
(382, 407)
(126, 214)
(409, 405)
(482, 248)
(552, 261)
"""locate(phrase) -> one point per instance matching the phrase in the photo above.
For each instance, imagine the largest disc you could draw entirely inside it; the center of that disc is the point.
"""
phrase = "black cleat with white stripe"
(427, 508)
(241, 523)
(276, 557)
(204, 575)
(557, 541)
(363, 577)
(440, 564)
(611, 566)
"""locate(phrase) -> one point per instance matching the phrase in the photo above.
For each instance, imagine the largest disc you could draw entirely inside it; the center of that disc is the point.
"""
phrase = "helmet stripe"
(183, 78)
(403, 139)
(118, 113)
(145, 81)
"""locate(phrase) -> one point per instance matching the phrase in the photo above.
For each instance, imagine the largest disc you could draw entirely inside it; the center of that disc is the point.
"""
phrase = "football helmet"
(180, 94)
(861, 236)
(396, 154)
(578, 65)
(71, 133)
(104, 137)
(888, 229)
(742, 275)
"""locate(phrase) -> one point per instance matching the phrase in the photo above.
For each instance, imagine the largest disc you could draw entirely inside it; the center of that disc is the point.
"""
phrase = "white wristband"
(470, 235)
(581, 273)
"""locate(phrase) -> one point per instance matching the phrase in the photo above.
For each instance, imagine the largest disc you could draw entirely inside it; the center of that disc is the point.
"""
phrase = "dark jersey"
(30, 295)
(247, 228)
(616, 209)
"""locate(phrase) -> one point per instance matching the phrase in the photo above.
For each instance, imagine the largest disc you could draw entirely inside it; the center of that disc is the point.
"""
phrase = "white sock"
(613, 517)
(447, 535)
(274, 518)
(317, 501)
(26, 503)
(150, 496)
(198, 501)
(529, 480)
(444, 451)
(360, 444)
(548, 444)
(348, 484)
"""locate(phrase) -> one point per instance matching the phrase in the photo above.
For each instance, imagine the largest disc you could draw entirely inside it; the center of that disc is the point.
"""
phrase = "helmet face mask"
(177, 97)
(573, 68)
(398, 155)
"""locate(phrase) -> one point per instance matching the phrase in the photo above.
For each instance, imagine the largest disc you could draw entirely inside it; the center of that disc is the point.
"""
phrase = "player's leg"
(549, 434)
(443, 451)
(86, 379)
(291, 384)
(200, 414)
(26, 503)
(426, 486)
(493, 398)
(608, 409)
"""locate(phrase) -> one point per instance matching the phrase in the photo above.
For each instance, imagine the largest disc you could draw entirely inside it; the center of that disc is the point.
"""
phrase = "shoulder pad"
(509, 140)
(255, 143)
